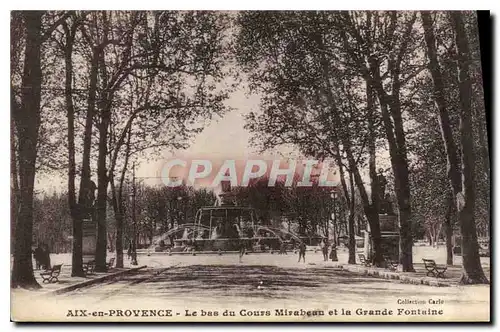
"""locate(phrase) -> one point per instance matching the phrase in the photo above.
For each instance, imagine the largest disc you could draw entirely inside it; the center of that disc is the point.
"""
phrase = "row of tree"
(346, 85)
(108, 86)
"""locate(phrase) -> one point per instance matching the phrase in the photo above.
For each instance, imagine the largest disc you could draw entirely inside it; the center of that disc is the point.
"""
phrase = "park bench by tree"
(391, 264)
(51, 276)
(363, 260)
(111, 263)
(89, 267)
(434, 269)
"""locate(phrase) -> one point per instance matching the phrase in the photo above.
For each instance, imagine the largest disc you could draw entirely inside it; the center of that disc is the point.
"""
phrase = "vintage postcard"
(250, 166)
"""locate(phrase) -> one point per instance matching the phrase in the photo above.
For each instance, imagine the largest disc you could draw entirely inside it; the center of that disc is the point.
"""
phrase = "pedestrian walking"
(333, 253)
(38, 255)
(129, 251)
(302, 251)
(283, 248)
(242, 249)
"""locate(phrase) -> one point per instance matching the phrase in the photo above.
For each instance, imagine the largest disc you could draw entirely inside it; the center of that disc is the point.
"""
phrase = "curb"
(93, 281)
(383, 274)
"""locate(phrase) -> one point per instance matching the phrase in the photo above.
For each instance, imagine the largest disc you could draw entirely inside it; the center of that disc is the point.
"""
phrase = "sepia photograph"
(250, 166)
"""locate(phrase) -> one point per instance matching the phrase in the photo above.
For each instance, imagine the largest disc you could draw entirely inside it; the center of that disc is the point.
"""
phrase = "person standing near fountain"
(302, 251)
(324, 249)
(283, 248)
(242, 249)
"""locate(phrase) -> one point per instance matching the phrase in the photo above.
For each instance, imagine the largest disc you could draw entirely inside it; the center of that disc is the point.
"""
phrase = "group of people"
(42, 257)
(302, 250)
(324, 249)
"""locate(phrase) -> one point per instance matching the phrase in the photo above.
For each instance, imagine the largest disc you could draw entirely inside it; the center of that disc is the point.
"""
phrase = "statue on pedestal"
(385, 205)
(388, 205)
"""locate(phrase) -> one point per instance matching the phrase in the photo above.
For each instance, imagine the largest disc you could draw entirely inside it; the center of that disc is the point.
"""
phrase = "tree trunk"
(370, 212)
(102, 172)
(102, 192)
(439, 97)
(482, 104)
(350, 202)
(77, 269)
(14, 177)
(27, 125)
(402, 185)
(472, 269)
(352, 239)
(117, 199)
(118, 209)
(15, 37)
(372, 161)
(119, 241)
(448, 229)
(375, 189)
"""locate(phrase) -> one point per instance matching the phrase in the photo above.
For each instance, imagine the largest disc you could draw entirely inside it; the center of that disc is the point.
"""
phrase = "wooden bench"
(434, 269)
(51, 276)
(111, 262)
(391, 264)
(89, 267)
(363, 260)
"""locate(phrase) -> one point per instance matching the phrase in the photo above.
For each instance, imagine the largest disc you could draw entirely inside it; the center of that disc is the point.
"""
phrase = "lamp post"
(333, 254)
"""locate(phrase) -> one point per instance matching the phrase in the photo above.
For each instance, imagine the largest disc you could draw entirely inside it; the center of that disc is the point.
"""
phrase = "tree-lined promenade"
(94, 92)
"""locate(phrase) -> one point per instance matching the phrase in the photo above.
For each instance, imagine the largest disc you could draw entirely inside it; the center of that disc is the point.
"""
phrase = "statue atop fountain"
(225, 197)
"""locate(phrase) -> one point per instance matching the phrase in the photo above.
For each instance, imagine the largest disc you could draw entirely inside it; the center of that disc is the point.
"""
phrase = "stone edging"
(92, 281)
(405, 279)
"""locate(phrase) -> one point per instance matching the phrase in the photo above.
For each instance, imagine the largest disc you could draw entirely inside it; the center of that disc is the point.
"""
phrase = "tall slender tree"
(444, 118)
(27, 119)
(466, 198)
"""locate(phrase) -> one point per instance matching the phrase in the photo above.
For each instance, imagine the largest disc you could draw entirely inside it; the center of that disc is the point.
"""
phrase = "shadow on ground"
(260, 281)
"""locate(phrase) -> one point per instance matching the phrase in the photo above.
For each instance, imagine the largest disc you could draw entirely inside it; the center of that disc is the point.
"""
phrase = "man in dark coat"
(324, 249)
(46, 257)
(129, 251)
(38, 256)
